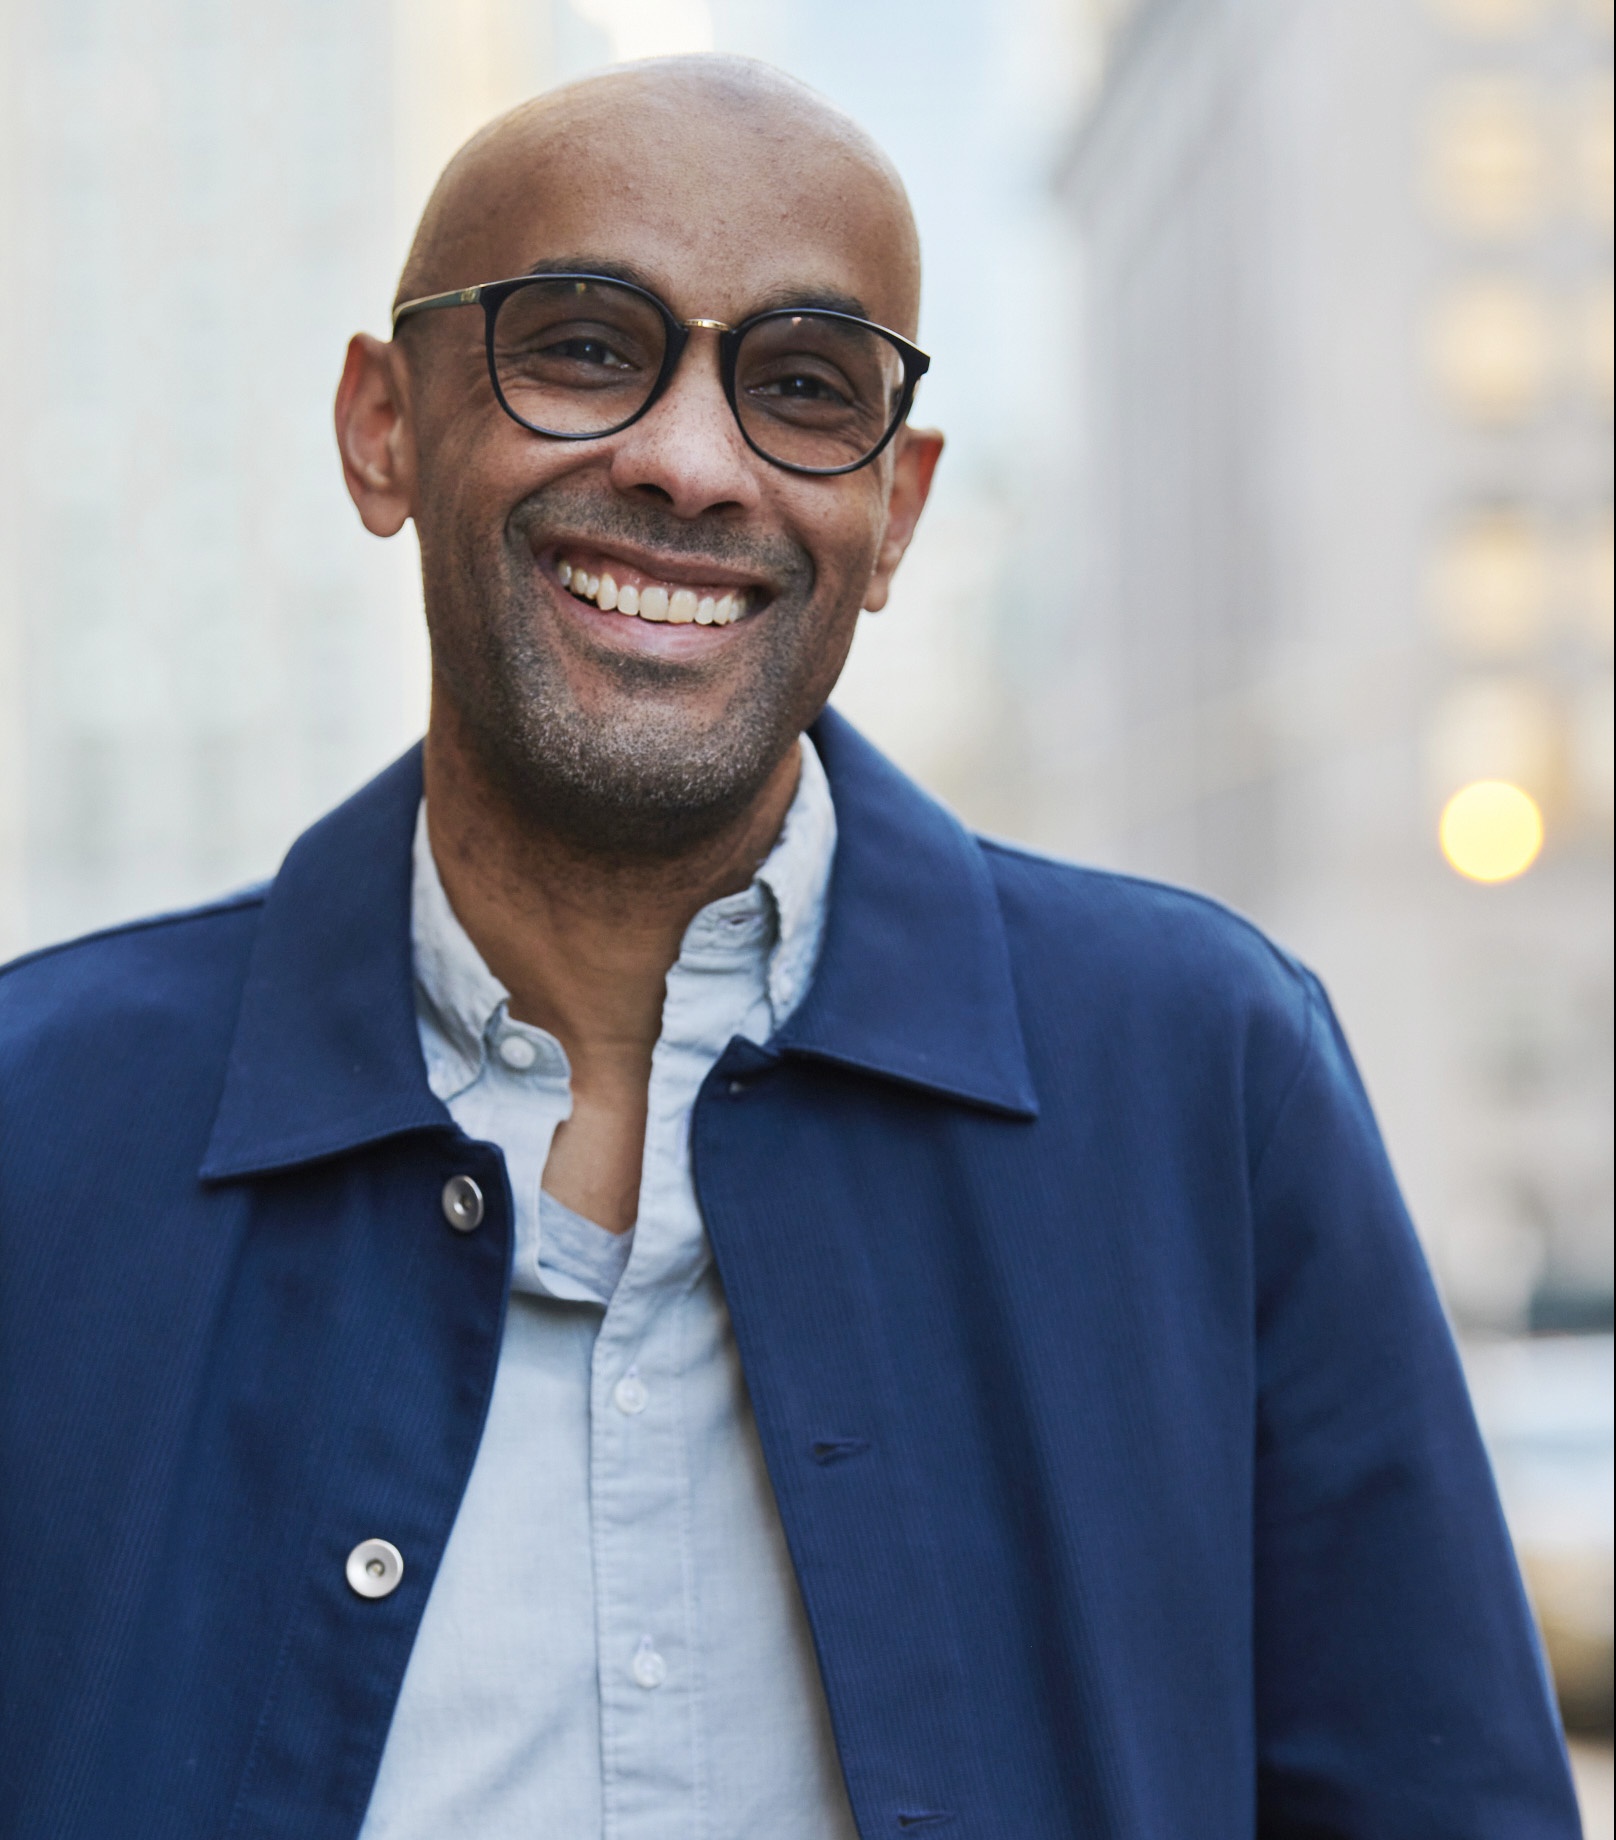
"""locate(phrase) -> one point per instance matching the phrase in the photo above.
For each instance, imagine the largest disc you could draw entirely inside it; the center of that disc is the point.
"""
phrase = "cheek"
(472, 455)
(844, 533)
(477, 476)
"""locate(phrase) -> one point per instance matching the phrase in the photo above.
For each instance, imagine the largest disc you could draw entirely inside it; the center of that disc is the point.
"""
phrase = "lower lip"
(657, 638)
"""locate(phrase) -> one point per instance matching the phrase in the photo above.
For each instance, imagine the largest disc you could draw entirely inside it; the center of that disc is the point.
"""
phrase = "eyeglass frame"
(492, 295)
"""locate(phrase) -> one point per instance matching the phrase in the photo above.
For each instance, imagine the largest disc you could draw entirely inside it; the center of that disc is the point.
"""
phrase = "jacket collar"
(914, 976)
(913, 982)
(327, 1055)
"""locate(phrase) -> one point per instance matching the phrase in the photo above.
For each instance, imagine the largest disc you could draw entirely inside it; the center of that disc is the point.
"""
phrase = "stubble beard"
(648, 779)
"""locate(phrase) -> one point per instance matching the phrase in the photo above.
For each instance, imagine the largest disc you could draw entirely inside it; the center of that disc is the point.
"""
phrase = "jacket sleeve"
(1400, 1686)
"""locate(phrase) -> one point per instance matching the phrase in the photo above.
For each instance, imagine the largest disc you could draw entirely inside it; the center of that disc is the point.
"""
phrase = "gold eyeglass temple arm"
(457, 297)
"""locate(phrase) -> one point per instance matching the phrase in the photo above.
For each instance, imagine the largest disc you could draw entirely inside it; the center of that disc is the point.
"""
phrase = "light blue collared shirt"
(615, 1645)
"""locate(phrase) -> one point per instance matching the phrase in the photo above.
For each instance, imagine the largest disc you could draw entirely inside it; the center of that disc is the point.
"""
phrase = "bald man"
(650, 1285)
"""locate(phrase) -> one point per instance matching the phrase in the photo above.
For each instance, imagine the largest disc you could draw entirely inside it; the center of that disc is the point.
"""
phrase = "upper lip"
(684, 571)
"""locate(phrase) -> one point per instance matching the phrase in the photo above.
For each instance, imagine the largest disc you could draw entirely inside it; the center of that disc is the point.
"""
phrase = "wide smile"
(613, 584)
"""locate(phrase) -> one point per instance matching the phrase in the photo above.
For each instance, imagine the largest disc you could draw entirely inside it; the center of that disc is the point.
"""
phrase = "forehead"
(721, 211)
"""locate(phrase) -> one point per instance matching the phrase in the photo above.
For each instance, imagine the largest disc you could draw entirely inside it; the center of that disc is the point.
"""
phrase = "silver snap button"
(375, 1567)
(631, 1394)
(648, 1667)
(462, 1204)
(517, 1052)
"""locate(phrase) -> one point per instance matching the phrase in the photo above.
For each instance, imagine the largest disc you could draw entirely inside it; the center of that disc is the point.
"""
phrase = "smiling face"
(629, 633)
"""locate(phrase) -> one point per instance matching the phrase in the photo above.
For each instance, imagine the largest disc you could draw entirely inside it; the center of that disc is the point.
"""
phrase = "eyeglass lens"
(581, 358)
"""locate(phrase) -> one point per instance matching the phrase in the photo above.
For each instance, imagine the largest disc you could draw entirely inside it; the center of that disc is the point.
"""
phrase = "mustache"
(563, 510)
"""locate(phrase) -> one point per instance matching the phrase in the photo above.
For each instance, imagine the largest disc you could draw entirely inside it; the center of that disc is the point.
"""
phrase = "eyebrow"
(820, 299)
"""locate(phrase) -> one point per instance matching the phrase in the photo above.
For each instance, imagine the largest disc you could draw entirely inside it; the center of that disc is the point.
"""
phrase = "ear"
(916, 452)
(374, 434)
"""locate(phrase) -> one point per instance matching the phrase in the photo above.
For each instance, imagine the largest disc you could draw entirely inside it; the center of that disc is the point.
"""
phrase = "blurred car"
(1546, 1409)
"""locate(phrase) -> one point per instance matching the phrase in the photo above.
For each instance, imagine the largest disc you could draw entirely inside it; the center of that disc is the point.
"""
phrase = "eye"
(590, 352)
(807, 389)
(803, 389)
(811, 389)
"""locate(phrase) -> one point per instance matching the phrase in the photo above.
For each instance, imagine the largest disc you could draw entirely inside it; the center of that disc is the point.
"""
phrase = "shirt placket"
(640, 1503)
(662, 1422)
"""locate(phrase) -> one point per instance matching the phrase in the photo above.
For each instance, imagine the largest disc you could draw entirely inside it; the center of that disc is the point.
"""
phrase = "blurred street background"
(1271, 554)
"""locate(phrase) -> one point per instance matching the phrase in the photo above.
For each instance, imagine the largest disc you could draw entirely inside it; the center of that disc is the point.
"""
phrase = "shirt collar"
(797, 878)
(913, 981)
(780, 917)
(455, 992)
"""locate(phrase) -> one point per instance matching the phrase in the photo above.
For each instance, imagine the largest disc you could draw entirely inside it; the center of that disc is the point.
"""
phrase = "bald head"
(723, 149)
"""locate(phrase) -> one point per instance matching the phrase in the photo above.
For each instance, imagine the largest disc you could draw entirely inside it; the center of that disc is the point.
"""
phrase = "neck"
(582, 944)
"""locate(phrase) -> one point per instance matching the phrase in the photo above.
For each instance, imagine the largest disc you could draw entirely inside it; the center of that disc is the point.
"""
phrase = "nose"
(686, 452)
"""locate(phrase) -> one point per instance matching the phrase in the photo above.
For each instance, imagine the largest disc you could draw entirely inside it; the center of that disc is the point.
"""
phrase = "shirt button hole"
(833, 1449)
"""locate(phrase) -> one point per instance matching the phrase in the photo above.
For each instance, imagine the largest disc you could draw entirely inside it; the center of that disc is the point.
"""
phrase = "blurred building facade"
(200, 649)
(1342, 501)
(1343, 508)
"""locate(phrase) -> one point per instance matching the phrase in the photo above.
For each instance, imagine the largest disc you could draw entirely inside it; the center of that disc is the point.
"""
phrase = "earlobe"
(916, 453)
(373, 435)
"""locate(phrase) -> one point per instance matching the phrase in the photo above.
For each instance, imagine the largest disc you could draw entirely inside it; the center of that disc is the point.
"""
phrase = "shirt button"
(517, 1052)
(648, 1667)
(462, 1204)
(631, 1394)
(375, 1567)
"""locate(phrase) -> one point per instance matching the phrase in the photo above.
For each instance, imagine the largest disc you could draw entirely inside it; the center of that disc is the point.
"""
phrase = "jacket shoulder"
(1192, 998)
(137, 985)
(1100, 922)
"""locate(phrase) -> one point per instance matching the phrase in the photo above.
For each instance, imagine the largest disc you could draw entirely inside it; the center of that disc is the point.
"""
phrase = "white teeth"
(678, 606)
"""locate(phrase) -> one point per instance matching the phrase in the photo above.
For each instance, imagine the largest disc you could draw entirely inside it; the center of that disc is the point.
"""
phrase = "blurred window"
(1593, 126)
(1495, 727)
(1487, 165)
(1593, 749)
(1594, 332)
(1493, 348)
(1489, 18)
(1590, 585)
(1490, 583)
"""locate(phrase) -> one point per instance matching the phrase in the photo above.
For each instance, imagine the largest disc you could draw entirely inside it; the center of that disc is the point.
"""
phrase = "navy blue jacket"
(1120, 1445)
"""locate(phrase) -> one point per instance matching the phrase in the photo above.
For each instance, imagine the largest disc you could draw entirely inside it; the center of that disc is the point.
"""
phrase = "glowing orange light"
(1491, 831)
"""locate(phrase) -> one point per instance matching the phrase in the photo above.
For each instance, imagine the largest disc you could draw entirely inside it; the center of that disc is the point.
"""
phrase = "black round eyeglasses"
(580, 356)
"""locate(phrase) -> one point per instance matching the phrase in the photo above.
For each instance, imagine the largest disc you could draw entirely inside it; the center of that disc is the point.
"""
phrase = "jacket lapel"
(914, 976)
(326, 1054)
(833, 1170)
